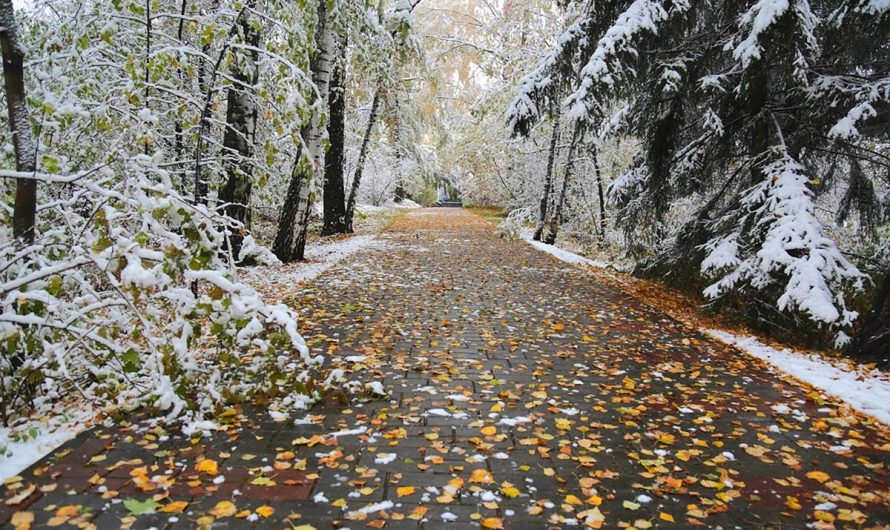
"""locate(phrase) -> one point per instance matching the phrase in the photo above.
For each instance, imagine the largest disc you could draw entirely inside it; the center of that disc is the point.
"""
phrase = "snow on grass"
(867, 391)
(23, 445)
(570, 257)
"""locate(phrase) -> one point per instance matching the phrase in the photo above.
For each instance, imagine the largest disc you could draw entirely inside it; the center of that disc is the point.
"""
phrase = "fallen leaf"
(493, 523)
(223, 509)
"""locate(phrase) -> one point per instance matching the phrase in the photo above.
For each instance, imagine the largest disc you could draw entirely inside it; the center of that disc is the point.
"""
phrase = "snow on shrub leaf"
(115, 316)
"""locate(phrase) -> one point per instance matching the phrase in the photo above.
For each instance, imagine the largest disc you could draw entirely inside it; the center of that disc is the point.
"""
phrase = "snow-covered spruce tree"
(128, 294)
(750, 109)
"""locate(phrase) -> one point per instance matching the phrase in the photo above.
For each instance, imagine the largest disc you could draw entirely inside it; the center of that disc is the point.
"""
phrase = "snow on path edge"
(864, 390)
(867, 391)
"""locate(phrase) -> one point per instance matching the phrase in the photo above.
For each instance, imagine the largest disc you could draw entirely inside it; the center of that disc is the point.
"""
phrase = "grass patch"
(492, 213)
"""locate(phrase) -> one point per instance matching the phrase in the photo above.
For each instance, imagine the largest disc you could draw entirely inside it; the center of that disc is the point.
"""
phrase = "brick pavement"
(521, 394)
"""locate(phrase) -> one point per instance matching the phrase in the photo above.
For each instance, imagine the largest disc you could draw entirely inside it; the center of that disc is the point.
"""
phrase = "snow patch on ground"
(319, 258)
(385, 458)
(23, 445)
(570, 257)
(864, 390)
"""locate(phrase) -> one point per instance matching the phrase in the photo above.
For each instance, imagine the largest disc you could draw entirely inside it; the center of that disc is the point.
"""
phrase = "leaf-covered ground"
(522, 394)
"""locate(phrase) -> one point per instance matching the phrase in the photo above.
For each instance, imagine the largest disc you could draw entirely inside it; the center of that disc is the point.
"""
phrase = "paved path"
(524, 394)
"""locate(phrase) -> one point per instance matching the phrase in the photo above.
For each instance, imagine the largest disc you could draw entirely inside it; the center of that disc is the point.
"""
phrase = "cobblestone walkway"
(521, 394)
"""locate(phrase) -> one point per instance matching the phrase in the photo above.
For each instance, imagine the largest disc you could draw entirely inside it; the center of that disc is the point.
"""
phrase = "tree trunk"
(25, 210)
(399, 193)
(240, 135)
(556, 220)
(360, 164)
(872, 343)
(548, 179)
(206, 82)
(602, 196)
(293, 223)
(334, 192)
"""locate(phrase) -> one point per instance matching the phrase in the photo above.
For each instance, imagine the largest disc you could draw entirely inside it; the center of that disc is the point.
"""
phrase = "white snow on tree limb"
(604, 65)
(526, 105)
(794, 249)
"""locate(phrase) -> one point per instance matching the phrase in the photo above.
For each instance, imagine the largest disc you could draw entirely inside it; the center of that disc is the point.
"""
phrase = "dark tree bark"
(334, 192)
(25, 209)
(178, 140)
(548, 178)
(360, 164)
(557, 219)
(293, 223)
(240, 135)
(872, 343)
(600, 194)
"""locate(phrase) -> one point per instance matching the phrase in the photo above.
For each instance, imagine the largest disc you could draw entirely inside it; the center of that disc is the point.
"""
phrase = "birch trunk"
(360, 164)
(25, 209)
(556, 220)
(548, 179)
(290, 241)
(240, 135)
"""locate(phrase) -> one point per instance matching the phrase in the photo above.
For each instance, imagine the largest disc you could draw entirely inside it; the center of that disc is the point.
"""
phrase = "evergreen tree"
(751, 110)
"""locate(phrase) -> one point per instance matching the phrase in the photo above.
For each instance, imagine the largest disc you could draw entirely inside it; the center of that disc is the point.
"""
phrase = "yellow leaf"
(489, 430)
(223, 509)
(481, 476)
(664, 516)
(819, 476)
(559, 327)
(174, 507)
(404, 491)
(493, 523)
(630, 505)
(22, 520)
(265, 511)
(208, 466)
(573, 500)
(304, 527)
(563, 424)
(792, 503)
(510, 491)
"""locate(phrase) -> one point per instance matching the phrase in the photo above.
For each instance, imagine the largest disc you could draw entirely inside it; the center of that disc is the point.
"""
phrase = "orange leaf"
(481, 476)
(208, 466)
(174, 507)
